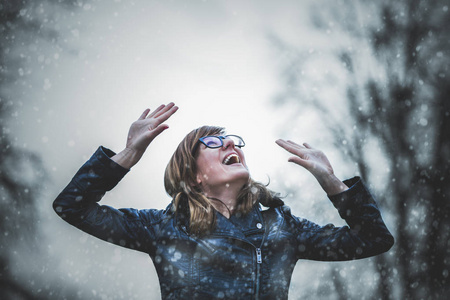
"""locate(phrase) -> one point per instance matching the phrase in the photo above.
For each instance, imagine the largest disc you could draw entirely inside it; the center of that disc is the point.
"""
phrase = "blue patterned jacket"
(248, 256)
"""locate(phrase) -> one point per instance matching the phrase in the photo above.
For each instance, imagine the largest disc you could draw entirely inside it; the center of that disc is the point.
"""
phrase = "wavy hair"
(180, 183)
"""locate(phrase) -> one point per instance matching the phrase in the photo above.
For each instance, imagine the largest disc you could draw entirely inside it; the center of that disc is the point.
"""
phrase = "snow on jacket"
(248, 256)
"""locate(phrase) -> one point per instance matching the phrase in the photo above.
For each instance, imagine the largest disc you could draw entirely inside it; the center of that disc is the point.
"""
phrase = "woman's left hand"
(316, 162)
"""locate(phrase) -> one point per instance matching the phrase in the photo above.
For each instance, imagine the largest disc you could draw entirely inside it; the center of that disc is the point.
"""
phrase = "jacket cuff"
(355, 195)
(100, 169)
(103, 155)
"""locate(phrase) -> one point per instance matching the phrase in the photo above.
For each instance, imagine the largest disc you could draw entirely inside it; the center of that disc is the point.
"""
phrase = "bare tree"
(22, 173)
(406, 111)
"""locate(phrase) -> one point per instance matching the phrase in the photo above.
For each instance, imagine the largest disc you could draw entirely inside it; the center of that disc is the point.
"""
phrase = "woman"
(223, 236)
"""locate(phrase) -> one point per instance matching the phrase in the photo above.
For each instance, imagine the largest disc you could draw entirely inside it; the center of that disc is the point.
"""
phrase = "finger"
(164, 110)
(281, 142)
(167, 114)
(156, 111)
(157, 131)
(289, 146)
(299, 151)
(299, 161)
(284, 144)
(144, 114)
(307, 145)
(295, 144)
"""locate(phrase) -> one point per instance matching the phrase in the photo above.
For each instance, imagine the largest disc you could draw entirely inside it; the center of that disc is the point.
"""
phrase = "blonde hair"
(180, 183)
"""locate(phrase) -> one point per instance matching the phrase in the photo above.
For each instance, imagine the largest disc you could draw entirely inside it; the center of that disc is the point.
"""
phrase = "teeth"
(231, 156)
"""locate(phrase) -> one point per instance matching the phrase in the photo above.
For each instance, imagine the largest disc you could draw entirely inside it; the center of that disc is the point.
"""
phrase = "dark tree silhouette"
(22, 174)
(408, 114)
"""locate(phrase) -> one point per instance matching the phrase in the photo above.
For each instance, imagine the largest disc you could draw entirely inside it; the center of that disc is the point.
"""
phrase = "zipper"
(258, 256)
(258, 271)
(259, 262)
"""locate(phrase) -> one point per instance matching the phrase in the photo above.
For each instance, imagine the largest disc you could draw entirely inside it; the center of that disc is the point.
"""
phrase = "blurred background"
(365, 81)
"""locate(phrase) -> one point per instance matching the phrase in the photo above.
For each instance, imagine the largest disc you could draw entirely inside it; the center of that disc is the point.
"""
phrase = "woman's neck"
(224, 201)
(221, 207)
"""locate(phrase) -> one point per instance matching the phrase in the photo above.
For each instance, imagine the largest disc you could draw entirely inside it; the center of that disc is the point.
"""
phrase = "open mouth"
(231, 159)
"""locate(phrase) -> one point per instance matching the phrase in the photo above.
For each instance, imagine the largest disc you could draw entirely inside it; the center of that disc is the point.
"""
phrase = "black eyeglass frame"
(221, 138)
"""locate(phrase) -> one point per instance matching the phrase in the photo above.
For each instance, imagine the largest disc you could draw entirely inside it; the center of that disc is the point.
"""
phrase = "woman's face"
(221, 167)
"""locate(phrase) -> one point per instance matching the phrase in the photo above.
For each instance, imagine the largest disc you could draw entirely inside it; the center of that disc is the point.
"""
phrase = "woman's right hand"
(142, 132)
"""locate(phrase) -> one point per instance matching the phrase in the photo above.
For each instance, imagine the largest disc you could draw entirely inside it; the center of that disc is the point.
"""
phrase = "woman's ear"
(198, 179)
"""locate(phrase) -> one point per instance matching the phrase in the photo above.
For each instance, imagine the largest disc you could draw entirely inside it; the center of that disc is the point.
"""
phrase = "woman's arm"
(366, 235)
(77, 203)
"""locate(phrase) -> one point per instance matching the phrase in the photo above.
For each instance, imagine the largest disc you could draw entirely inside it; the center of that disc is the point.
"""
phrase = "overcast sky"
(113, 59)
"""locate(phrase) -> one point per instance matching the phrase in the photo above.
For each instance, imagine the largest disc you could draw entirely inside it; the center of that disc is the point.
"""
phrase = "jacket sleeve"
(77, 205)
(366, 234)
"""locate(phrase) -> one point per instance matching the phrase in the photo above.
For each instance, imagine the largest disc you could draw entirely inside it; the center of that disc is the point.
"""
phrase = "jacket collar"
(237, 226)
(240, 225)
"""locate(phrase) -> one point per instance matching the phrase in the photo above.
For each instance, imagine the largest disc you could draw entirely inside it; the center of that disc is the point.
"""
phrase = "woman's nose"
(227, 142)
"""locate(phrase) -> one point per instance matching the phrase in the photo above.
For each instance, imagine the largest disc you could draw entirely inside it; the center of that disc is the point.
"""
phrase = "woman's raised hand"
(316, 162)
(148, 126)
(142, 132)
(306, 156)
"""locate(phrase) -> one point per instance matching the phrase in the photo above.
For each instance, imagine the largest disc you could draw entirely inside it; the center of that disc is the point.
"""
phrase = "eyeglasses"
(216, 141)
